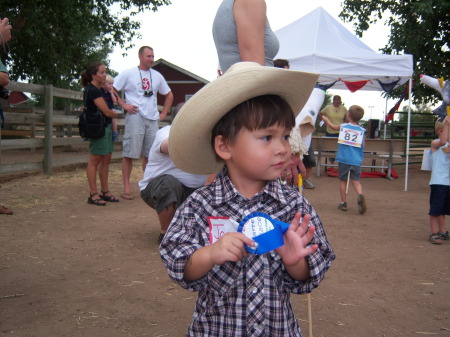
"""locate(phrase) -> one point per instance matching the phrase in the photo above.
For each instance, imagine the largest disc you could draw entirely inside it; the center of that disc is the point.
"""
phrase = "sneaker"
(444, 236)
(342, 206)
(307, 183)
(115, 136)
(7, 211)
(362, 207)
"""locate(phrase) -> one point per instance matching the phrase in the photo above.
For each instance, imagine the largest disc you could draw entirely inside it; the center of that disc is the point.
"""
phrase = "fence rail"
(42, 128)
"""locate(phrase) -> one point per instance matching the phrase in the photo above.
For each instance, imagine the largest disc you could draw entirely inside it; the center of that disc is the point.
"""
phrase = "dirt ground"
(72, 269)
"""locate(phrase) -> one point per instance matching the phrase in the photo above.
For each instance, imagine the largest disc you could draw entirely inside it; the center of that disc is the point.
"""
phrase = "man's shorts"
(163, 191)
(355, 171)
(309, 160)
(439, 200)
(102, 146)
(139, 135)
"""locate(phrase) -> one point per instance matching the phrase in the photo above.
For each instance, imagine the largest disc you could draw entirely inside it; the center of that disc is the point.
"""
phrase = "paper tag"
(256, 226)
(219, 226)
(350, 137)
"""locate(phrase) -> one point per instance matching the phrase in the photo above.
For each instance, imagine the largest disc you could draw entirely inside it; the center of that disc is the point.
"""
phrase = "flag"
(391, 113)
(354, 86)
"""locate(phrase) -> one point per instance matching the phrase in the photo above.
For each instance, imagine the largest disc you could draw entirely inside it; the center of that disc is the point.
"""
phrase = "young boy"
(239, 124)
(350, 155)
(111, 99)
(439, 183)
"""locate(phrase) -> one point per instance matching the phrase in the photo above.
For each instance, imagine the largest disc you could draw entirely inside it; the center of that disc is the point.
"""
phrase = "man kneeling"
(164, 187)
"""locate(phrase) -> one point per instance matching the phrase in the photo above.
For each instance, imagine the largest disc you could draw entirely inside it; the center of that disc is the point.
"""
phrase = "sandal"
(109, 197)
(96, 202)
(444, 236)
(435, 239)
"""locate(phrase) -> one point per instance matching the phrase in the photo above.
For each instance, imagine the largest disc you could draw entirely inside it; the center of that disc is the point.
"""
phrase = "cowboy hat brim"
(190, 135)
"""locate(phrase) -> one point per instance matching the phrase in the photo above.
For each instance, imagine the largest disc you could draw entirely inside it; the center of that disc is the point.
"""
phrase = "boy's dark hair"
(356, 113)
(281, 63)
(256, 113)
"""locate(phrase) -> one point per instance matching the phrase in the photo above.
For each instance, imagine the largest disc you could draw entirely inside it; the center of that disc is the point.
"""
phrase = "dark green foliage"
(53, 41)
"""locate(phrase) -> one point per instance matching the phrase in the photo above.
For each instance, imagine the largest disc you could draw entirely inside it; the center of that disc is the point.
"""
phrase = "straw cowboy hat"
(190, 135)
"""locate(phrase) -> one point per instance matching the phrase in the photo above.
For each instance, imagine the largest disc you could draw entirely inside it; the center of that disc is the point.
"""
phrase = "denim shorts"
(355, 171)
(439, 200)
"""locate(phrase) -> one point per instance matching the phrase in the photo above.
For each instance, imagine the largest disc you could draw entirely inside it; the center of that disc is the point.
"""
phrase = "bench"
(386, 150)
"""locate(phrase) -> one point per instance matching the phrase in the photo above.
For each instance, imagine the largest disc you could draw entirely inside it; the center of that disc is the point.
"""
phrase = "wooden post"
(48, 135)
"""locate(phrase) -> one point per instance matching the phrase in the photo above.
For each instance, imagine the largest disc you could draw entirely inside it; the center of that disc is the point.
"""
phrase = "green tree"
(418, 27)
(53, 41)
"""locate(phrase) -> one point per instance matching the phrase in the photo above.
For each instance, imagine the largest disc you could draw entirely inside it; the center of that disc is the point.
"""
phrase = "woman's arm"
(103, 107)
(250, 17)
(4, 79)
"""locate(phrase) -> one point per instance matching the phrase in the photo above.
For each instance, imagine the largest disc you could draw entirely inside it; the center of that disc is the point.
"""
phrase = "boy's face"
(258, 156)
(107, 86)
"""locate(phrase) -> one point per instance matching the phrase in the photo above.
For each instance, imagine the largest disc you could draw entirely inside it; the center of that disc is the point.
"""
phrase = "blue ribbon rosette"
(265, 231)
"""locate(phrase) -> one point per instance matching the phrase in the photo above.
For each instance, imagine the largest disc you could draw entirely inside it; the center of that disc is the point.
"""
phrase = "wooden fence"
(44, 129)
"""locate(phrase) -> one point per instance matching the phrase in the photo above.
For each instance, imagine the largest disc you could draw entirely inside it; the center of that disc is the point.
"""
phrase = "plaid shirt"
(250, 297)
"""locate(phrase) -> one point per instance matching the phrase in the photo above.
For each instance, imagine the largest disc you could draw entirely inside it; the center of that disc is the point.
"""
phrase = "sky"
(181, 33)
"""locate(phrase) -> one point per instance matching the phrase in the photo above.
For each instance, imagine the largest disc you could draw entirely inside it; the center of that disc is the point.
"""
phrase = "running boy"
(350, 155)
(439, 183)
(239, 124)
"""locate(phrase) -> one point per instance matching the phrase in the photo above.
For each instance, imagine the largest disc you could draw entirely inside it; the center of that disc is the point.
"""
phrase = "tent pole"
(385, 114)
(408, 135)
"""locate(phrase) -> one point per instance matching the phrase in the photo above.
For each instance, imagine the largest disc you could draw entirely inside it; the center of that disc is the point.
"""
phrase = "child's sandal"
(435, 239)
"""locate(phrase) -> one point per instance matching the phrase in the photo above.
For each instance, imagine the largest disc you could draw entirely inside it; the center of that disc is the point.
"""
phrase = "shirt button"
(254, 290)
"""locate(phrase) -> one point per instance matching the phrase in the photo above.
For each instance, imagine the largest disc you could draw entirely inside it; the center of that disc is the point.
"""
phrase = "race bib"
(351, 137)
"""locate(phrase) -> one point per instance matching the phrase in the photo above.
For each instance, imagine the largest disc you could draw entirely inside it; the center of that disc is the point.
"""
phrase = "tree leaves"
(53, 41)
(418, 27)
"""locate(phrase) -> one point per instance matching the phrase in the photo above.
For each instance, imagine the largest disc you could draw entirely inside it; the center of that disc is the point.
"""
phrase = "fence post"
(48, 140)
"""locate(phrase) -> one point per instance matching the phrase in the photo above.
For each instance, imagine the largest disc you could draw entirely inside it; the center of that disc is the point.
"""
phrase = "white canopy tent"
(319, 43)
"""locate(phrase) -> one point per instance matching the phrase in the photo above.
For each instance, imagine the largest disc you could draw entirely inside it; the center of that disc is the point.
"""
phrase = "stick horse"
(443, 87)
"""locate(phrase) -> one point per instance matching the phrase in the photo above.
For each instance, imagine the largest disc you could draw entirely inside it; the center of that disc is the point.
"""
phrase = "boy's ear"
(222, 148)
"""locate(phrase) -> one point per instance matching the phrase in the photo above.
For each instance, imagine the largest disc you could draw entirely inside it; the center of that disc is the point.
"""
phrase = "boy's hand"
(296, 238)
(230, 247)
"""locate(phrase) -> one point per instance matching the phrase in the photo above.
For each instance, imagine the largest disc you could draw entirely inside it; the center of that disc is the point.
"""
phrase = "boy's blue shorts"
(355, 171)
(439, 200)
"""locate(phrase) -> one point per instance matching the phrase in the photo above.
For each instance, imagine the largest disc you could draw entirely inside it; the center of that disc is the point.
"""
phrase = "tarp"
(319, 43)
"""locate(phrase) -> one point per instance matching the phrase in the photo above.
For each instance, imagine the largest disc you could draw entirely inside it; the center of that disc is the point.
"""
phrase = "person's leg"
(357, 186)
(309, 162)
(164, 194)
(144, 163)
(127, 166)
(132, 146)
(151, 127)
(165, 217)
(115, 134)
(342, 189)
(343, 176)
(91, 173)
(434, 225)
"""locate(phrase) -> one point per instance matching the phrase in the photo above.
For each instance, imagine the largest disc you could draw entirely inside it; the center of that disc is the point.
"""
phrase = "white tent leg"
(408, 135)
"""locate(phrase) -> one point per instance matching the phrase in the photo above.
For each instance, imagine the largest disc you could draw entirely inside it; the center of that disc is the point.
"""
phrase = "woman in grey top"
(242, 33)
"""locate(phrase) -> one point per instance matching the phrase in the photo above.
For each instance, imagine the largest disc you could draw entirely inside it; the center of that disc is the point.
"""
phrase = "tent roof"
(319, 43)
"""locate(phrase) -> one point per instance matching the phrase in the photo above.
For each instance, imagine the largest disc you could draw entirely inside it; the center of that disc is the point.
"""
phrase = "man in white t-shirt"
(164, 187)
(140, 85)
